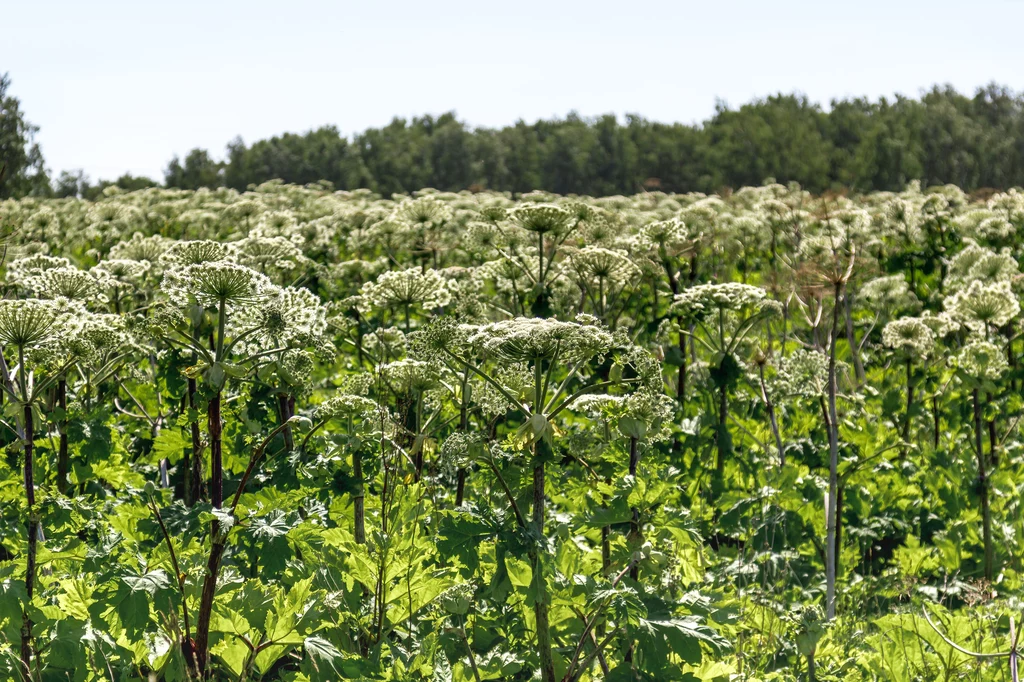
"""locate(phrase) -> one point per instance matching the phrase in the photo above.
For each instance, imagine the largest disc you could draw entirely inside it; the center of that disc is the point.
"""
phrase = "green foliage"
(464, 437)
(944, 137)
(21, 161)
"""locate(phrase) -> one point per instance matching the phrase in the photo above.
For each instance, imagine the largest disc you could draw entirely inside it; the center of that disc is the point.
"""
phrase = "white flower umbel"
(802, 373)
(21, 269)
(885, 294)
(701, 300)
(406, 289)
(345, 406)
(982, 361)
(982, 307)
(213, 283)
(69, 283)
(283, 317)
(526, 339)
(543, 219)
(910, 336)
(182, 254)
(277, 257)
(126, 273)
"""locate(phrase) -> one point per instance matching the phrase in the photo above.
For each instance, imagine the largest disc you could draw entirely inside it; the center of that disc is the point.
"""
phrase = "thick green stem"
(681, 379)
(772, 419)
(910, 399)
(460, 485)
(222, 322)
(634, 523)
(358, 502)
(414, 431)
(213, 425)
(833, 464)
(723, 431)
(63, 458)
(540, 609)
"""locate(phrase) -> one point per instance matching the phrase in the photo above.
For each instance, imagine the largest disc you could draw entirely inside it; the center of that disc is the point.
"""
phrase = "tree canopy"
(21, 161)
(856, 144)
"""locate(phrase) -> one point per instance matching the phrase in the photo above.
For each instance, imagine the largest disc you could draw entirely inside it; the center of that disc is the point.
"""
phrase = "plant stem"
(358, 501)
(460, 486)
(910, 399)
(213, 428)
(218, 544)
(63, 459)
(723, 430)
(983, 488)
(681, 379)
(833, 464)
(284, 408)
(194, 475)
(634, 523)
(33, 530)
(770, 407)
(540, 609)
(202, 647)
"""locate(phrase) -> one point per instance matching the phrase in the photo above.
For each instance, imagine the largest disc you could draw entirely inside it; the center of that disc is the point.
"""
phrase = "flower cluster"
(528, 339)
(890, 293)
(541, 218)
(982, 360)
(981, 307)
(701, 300)
(345, 406)
(405, 288)
(909, 335)
(802, 373)
(213, 283)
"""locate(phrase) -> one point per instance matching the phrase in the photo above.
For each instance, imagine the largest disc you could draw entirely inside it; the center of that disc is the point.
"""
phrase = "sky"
(121, 87)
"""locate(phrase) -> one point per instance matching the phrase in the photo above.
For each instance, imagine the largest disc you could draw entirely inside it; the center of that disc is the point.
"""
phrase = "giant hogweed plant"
(542, 346)
(259, 332)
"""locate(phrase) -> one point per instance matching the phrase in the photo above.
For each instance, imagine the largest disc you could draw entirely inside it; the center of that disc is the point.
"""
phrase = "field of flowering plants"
(295, 435)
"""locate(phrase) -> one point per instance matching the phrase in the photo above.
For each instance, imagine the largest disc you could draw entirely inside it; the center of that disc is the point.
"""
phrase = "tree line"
(943, 137)
(858, 144)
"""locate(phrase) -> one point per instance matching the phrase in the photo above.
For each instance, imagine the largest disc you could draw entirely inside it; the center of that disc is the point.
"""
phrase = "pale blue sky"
(123, 86)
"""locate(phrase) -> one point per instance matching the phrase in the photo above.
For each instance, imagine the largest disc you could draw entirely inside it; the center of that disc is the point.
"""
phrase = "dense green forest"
(295, 434)
(974, 142)
(944, 137)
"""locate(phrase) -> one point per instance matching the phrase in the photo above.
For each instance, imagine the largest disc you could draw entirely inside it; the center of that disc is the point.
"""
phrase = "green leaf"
(169, 445)
(322, 654)
(631, 427)
(679, 636)
(460, 534)
(148, 583)
(133, 610)
(519, 572)
(442, 668)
